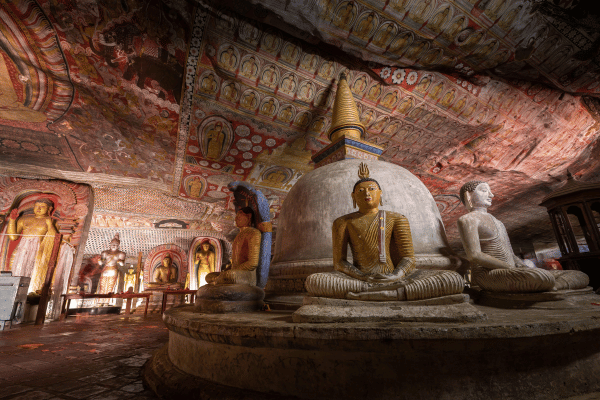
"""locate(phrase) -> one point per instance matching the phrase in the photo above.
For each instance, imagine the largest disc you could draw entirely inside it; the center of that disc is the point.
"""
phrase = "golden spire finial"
(363, 171)
(345, 119)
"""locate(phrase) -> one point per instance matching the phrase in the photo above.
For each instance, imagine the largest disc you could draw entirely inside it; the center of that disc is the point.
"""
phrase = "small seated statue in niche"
(166, 272)
(383, 267)
(245, 253)
(495, 266)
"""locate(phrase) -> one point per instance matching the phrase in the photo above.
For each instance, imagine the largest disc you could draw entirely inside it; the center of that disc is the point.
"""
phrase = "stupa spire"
(346, 131)
(345, 120)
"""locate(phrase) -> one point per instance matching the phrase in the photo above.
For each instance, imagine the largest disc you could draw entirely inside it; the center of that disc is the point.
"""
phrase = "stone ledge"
(511, 355)
(500, 323)
(463, 312)
(444, 300)
(454, 308)
(560, 299)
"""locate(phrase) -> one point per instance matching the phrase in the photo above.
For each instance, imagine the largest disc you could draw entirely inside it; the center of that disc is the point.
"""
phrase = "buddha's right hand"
(14, 214)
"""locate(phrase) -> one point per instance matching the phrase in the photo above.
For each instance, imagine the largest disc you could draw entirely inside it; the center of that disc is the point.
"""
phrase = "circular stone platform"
(513, 354)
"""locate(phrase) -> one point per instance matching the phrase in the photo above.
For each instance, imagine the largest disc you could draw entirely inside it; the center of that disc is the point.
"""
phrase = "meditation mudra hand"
(495, 266)
(383, 266)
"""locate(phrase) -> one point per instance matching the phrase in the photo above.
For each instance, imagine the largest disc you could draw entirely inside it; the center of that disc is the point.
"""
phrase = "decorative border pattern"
(185, 116)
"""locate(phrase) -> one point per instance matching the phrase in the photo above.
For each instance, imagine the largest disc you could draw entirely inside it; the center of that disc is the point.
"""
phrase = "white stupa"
(303, 243)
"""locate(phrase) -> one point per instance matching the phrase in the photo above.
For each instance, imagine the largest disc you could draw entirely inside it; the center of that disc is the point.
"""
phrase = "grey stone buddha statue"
(487, 246)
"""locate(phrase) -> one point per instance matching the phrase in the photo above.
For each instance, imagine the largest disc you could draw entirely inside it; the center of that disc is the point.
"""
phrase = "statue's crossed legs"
(418, 285)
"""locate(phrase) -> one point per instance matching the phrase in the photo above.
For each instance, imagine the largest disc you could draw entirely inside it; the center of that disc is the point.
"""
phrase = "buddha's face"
(242, 219)
(166, 262)
(41, 209)
(367, 195)
(205, 246)
(482, 196)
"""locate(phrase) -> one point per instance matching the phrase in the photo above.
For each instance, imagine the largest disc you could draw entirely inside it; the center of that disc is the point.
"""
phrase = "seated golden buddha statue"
(383, 261)
(495, 266)
(245, 253)
(165, 273)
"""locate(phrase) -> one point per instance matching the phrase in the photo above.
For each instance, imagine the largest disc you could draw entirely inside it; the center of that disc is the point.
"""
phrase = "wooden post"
(138, 271)
(41, 313)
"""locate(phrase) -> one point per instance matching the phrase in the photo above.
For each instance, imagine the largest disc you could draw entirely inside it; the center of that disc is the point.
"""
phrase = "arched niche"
(155, 257)
(71, 216)
(222, 252)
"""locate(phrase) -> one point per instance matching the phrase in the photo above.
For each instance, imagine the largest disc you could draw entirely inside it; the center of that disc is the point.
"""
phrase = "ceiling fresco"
(533, 40)
(123, 86)
(192, 96)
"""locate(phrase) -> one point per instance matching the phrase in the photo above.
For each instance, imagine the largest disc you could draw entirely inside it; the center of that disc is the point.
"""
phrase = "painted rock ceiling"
(160, 104)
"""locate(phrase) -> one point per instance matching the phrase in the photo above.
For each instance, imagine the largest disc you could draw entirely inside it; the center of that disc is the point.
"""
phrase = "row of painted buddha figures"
(383, 264)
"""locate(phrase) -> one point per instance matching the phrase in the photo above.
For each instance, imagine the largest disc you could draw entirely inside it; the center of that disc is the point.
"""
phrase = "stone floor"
(92, 357)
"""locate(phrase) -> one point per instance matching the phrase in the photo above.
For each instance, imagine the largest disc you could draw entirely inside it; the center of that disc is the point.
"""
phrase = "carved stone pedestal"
(233, 298)
(454, 308)
(511, 355)
(560, 299)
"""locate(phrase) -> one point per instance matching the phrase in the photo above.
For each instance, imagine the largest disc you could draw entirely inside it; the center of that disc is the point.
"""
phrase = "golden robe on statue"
(362, 234)
(31, 258)
(37, 231)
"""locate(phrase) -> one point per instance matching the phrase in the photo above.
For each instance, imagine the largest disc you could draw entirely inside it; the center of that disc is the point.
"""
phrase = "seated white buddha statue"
(495, 266)
(383, 261)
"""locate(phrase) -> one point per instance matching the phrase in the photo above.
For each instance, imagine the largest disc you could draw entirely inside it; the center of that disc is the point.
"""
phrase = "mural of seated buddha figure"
(487, 246)
(383, 260)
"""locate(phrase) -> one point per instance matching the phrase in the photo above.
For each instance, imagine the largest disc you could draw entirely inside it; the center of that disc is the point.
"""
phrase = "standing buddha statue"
(33, 252)
(130, 279)
(205, 262)
(111, 260)
(383, 266)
